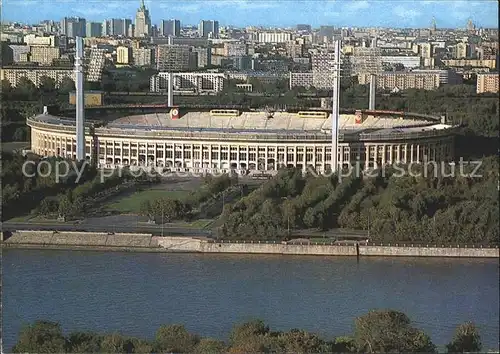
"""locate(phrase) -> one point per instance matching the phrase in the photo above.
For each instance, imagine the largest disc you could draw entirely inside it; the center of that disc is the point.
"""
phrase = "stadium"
(245, 141)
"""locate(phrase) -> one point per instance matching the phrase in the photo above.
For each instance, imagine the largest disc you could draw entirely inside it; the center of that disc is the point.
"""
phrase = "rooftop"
(282, 123)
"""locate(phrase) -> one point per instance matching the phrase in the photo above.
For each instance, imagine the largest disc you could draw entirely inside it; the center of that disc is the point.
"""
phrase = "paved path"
(119, 228)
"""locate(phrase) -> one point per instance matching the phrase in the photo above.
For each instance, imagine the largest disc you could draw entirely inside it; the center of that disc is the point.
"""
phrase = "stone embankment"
(149, 243)
(187, 244)
(82, 240)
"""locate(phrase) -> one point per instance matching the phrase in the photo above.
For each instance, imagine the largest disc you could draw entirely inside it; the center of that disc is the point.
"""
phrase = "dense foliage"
(31, 185)
(381, 331)
(415, 208)
(205, 202)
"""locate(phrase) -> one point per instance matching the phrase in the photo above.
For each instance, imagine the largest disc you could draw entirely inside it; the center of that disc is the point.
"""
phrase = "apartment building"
(175, 58)
(44, 55)
(44, 41)
(198, 82)
(96, 64)
(304, 79)
(124, 55)
(14, 74)
(234, 49)
(487, 82)
(475, 63)
(143, 56)
(274, 37)
(18, 50)
(417, 79)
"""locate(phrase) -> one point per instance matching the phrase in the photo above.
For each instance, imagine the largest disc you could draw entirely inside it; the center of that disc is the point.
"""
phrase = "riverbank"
(130, 242)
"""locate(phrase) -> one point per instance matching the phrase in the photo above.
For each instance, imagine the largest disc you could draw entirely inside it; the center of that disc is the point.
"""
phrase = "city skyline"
(284, 13)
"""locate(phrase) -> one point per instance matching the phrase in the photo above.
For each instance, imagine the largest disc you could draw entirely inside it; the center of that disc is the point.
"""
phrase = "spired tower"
(142, 22)
(433, 25)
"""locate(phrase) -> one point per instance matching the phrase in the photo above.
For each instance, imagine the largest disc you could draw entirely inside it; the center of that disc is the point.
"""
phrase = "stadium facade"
(221, 140)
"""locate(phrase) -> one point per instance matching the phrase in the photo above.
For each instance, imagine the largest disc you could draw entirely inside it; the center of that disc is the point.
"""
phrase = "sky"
(278, 13)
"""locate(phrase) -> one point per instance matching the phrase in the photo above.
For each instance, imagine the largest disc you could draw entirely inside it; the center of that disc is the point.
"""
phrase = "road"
(140, 228)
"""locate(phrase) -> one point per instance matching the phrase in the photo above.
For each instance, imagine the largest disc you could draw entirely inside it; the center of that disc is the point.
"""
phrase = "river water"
(135, 293)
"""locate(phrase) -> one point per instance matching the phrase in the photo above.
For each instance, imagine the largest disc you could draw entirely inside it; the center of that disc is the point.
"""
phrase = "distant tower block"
(373, 90)
(80, 113)
(170, 89)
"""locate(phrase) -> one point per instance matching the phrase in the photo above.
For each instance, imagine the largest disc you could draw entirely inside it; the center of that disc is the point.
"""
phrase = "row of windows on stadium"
(361, 155)
(214, 149)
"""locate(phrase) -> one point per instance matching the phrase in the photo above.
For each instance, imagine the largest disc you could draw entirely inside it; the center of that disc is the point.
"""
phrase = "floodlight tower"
(336, 107)
(170, 89)
(80, 113)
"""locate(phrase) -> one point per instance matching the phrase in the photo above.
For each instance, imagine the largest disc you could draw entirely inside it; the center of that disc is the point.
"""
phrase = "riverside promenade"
(148, 243)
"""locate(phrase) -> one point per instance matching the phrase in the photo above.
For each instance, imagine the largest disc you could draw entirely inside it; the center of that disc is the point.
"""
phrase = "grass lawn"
(196, 224)
(34, 219)
(132, 203)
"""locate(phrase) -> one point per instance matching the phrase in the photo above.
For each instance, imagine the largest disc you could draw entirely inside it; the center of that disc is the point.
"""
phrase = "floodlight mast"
(336, 106)
(80, 109)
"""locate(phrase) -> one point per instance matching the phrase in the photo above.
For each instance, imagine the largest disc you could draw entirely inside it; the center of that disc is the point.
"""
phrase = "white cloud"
(354, 6)
(405, 12)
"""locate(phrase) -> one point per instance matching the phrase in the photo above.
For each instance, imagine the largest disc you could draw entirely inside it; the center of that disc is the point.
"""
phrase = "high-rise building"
(487, 82)
(73, 27)
(303, 28)
(124, 55)
(366, 60)
(170, 28)
(18, 50)
(204, 56)
(235, 49)
(470, 26)
(6, 54)
(143, 56)
(142, 22)
(461, 51)
(419, 79)
(208, 29)
(175, 58)
(15, 74)
(44, 41)
(94, 29)
(44, 55)
(274, 37)
(96, 64)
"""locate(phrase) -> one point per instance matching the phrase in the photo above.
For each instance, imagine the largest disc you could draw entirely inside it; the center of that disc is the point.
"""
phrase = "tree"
(20, 134)
(116, 343)
(389, 331)
(175, 339)
(465, 339)
(343, 345)
(26, 89)
(83, 342)
(241, 333)
(209, 346)
(67, 85)
(146, 210)
(65, 206)
(297, 341)
(41, 337)
(6, 88)
(47, 84)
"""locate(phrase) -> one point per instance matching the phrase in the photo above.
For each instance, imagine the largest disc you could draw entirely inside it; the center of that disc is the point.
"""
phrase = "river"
(135, 293)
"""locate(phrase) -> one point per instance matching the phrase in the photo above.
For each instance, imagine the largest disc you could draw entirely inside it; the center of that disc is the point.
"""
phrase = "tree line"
(36, 189)
(205, 202)
(379, 331)
(417, 208)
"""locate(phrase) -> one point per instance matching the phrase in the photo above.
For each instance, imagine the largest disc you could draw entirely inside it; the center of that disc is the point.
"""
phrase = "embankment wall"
(144, 242)
(186, 244)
